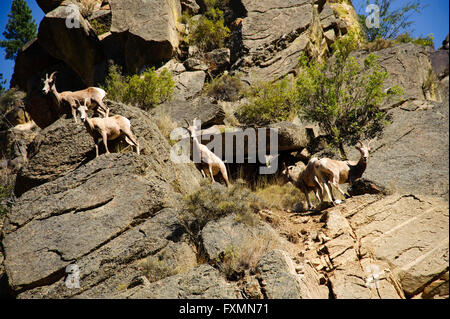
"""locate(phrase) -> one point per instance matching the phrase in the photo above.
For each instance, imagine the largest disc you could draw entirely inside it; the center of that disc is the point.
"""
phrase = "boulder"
(201, 282)
(225, 233)
(218, 60)
(67, 36)
(387, 247)
(144, 27)
(32, 62)
(409, 233)
(48, 5)
(281, 280)
(201, 108)
(188, 85)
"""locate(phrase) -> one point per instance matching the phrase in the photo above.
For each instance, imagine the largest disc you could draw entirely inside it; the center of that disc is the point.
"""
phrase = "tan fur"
(334, 172)
(92, 96)
(306, 181)
(211, 164)
(109, 128)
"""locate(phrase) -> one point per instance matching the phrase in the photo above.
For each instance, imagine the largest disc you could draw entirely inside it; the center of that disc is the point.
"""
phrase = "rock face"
(147, 30)
(281, 280)
(201, 282)
(66, 35)
(48, 5)
(102, 205)
(402, 240)
(272, 36)
(408, 66)
(412, 155)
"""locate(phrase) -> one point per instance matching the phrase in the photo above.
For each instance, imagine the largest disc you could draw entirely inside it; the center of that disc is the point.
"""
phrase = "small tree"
(342, 95)
(20, 29)
(393, 22)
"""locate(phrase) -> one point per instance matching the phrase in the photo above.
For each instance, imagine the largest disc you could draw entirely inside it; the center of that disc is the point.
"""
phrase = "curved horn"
(53, 74)
(187, 122)
(360, 143)
(368, 144)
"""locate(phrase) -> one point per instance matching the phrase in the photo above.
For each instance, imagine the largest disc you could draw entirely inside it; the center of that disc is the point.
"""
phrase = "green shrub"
(145, 90)
(342, 95)
(209, 32)
(268, 103)
(225, 87)
(406, 38)
(213, 201)
(99, 27)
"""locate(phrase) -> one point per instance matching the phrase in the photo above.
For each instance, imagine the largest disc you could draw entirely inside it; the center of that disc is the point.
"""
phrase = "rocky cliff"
(119, 218)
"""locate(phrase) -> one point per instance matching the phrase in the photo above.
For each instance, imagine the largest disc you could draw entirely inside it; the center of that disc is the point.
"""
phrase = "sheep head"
(48, 82)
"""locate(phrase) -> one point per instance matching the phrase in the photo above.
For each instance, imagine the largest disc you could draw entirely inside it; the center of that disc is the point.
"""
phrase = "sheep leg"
(96, 141)
(211, 172)
(327, 189)
(336, 184)
(104, 107)
(105, 141)
(74, 113)
(307, 199)
(223, 170)
(131, 140)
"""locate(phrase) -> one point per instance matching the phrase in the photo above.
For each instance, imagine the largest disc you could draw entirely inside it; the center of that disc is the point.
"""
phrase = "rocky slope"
(118, 218)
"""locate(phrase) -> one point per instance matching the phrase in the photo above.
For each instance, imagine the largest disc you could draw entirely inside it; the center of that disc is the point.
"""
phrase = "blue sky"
(433, 19)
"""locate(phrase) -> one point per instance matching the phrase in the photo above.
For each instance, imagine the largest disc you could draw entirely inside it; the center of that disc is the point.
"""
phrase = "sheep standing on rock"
(210, 162)
(92, 95)
(334, 172)
(306, 181)
(109, 128)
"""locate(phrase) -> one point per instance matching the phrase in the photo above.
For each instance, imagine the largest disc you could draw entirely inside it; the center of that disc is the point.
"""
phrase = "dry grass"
(236, 260)
(87, 7)
(165, 124)
(155, 269)
(281, 197)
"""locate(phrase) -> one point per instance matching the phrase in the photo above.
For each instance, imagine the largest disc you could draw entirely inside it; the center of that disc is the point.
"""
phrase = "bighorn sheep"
(334, 172)
(93, 95)
(210, 162)
(109, 128)
(306, 181)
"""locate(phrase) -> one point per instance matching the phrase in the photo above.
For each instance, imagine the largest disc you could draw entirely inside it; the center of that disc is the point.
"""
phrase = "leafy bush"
(225, 87)
(213, 201)
(268, 103)
(342, 96)
(209, 32)
(145, 90)
(406, 38)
